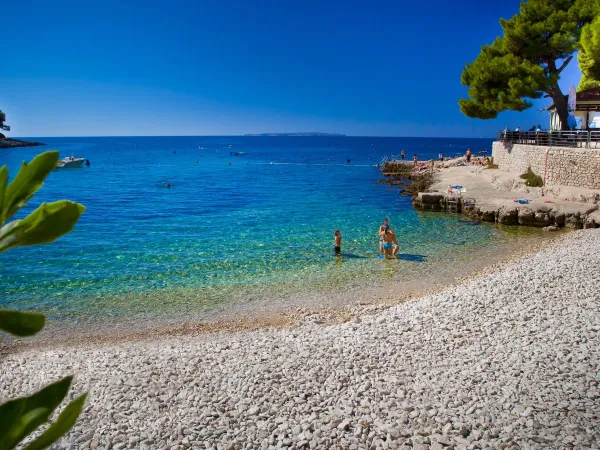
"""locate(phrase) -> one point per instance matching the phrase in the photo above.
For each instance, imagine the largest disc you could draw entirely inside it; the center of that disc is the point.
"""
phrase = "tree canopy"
(526, 62)
(589, 55)
(2, 119)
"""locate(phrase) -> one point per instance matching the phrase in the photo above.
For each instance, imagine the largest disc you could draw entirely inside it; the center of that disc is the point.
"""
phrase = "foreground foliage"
(22, 416)
(526, 63)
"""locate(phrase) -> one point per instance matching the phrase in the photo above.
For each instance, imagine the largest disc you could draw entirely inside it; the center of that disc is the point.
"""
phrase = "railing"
(575, 138)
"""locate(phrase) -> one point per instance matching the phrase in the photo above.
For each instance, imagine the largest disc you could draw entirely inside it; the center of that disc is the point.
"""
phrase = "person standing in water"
(385, 222)
(390, 243)
(337, 242)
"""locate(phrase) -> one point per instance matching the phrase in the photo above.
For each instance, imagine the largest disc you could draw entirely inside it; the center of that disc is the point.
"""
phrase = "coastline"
(14, 143)
(500, 360)
(291, 309)
(493, 195)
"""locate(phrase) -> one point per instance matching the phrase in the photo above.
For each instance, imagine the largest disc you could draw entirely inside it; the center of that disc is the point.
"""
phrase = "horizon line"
(252, 135)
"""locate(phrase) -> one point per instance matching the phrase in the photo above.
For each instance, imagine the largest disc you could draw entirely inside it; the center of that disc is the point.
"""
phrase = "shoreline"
(290, 310)
(496, 196)
(501, 360)
(14, 143)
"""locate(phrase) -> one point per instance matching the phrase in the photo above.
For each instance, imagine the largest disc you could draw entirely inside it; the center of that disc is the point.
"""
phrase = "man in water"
(390, 243)
(337, 242)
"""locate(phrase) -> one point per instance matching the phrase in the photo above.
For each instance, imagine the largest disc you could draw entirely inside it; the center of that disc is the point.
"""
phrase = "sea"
(178, 225)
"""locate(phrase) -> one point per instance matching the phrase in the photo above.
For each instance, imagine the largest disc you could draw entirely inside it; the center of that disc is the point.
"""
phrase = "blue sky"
(214, 68)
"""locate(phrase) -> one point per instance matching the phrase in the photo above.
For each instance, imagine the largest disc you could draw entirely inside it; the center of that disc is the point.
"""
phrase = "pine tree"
(526, 62)
(589, 55)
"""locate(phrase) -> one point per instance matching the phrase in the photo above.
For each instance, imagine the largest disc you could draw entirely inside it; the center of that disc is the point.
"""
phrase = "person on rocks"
(389, 243)
(402, 155)
(468, 155)
(415, 160)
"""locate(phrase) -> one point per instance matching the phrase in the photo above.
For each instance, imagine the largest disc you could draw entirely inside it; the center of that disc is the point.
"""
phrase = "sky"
(129, 68)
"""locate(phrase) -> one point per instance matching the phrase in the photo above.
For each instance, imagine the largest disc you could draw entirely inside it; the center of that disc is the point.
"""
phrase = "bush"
(22, 416)
(490, 164)
(531, 179)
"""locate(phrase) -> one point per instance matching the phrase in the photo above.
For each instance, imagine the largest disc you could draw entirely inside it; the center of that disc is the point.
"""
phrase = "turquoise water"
(224, 232)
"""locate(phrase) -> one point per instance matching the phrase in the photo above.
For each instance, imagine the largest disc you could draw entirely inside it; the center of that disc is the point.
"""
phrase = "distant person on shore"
(402, 155)
(337, 242)
(415, 160)
(468, 155)
(390, 243)
(441, 156)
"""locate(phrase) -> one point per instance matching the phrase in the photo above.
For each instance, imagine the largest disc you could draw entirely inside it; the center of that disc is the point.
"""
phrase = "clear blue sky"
(391, 68)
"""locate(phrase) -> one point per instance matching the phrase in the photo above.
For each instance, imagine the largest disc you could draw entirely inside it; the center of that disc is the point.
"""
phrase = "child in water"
(337, 242)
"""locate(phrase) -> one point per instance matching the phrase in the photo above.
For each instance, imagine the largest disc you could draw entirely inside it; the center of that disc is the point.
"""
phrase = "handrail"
(570, 138)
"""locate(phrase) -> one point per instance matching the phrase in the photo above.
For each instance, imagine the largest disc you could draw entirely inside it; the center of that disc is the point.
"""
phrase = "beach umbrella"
(572, 106)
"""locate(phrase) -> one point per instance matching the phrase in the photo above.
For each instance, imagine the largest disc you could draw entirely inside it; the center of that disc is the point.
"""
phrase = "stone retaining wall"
(578, 167)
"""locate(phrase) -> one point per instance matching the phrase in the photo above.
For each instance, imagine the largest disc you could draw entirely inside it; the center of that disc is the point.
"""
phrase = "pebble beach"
(506, 360)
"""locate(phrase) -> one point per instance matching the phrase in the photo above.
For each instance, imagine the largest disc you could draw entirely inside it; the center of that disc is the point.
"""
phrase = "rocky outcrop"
(542, 216)
(10, 143)
(427, 201)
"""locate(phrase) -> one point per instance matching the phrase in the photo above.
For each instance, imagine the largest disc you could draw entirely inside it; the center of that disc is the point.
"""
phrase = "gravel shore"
(508, 360)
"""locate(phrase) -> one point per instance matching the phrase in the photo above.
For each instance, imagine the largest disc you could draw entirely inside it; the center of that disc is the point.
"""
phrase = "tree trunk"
(562, 108)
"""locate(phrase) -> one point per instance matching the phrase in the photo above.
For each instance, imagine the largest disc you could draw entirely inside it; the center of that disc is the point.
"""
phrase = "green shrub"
(531, 179)
(22, 416)
(490, 164)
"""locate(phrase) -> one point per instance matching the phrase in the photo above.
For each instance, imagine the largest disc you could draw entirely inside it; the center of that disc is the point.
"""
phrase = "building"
(587, 112)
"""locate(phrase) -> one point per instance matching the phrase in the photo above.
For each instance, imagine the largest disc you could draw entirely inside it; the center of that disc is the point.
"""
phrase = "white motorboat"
(71, 161)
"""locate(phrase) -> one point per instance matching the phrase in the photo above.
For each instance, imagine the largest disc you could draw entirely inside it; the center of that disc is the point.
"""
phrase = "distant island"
(308, 133)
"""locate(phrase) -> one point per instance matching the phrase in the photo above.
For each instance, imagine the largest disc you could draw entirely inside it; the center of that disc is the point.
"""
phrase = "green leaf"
(3, 181)
(21, 323)
(46, 224)
(22, 425)
(22, 416)
(29, 179)
(65, 421)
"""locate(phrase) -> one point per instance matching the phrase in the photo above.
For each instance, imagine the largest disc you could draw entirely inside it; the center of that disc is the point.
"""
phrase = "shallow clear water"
(262, 224)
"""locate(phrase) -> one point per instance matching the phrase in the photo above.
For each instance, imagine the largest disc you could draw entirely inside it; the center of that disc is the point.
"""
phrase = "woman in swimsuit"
(390, 243)
(385, 222)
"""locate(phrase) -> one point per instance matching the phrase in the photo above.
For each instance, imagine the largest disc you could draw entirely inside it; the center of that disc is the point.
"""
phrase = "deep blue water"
(227, 226)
